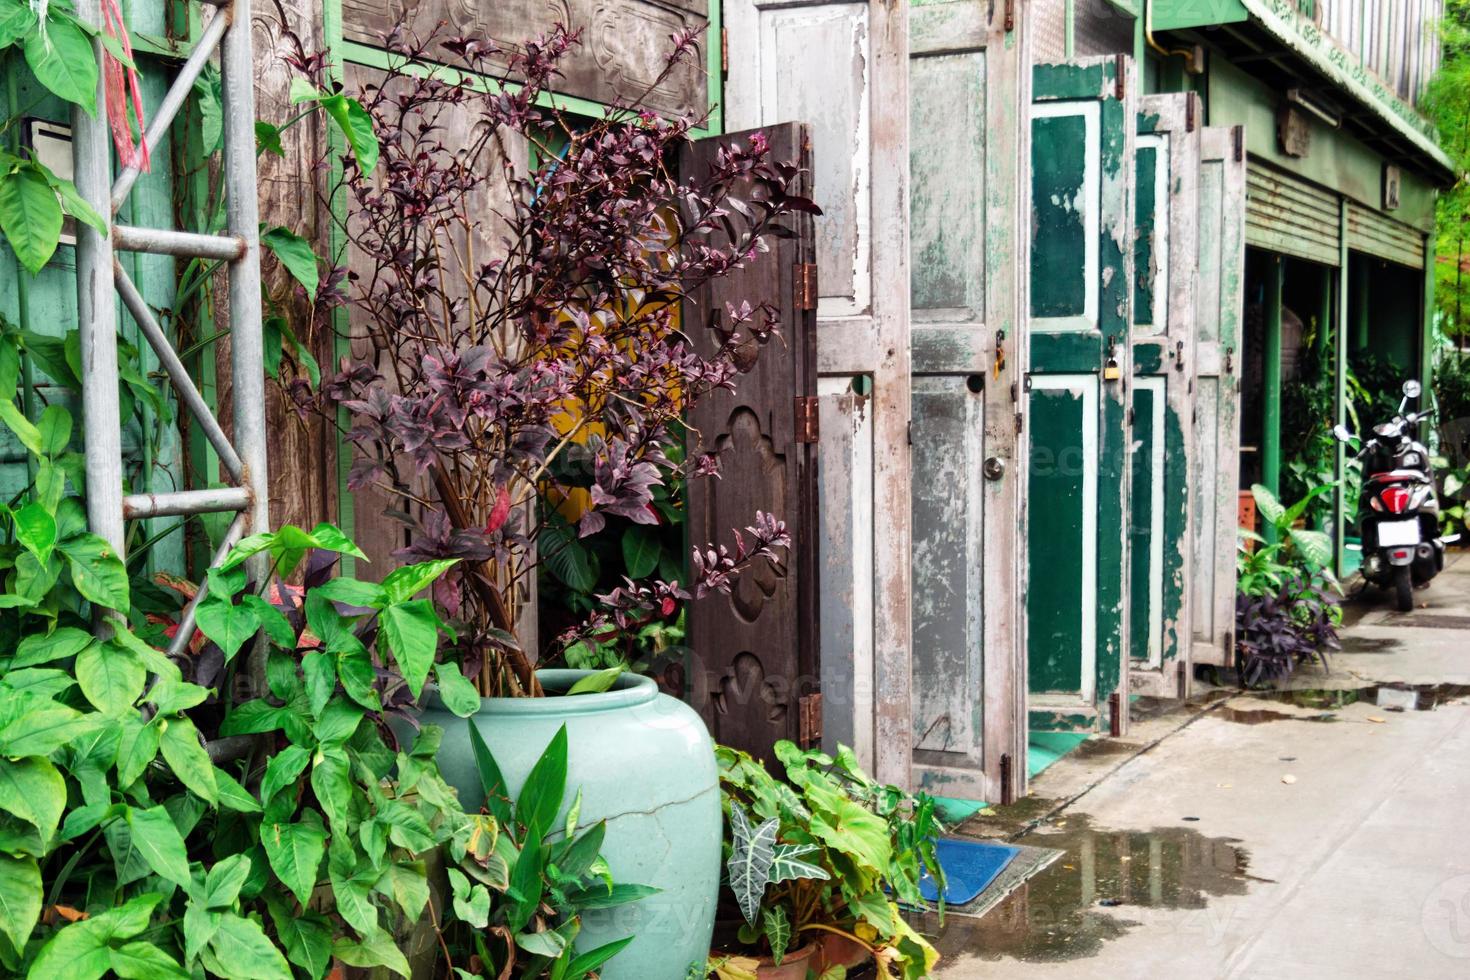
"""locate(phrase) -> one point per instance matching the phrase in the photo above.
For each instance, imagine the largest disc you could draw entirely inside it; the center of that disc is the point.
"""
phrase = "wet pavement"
(1322, 831)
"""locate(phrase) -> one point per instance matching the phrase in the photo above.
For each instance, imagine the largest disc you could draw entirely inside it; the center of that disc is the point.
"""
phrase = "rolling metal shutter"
(1379, 235)
(1288, 215)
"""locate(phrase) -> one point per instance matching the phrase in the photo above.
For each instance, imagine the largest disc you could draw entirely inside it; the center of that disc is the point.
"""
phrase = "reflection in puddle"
(1083, 899)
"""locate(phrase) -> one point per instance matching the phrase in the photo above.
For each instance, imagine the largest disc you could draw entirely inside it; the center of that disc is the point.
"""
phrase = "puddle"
(1083, 899)
(1260, 716)
(1430, 696)
(1369, 644)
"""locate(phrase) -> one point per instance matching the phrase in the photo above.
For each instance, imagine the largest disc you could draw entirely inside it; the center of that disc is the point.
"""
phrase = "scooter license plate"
(1392, 533)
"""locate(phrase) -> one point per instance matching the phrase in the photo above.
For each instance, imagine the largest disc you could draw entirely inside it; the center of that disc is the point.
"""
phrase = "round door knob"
(994, 468)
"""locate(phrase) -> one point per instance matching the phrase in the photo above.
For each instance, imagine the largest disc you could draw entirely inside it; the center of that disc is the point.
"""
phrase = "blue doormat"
(969, 868)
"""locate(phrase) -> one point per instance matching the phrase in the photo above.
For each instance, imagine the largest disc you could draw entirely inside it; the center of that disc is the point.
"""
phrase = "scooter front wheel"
(1403, 588)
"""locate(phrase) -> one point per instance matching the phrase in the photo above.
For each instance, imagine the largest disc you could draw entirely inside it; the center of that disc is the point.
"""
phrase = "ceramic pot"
(645, 763)
(794, 964)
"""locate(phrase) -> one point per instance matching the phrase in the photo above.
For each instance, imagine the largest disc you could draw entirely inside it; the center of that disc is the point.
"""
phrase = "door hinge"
(806, 285)
(1189, 110)
(809, 707)
(909, 432)
(1120, 72)
(806, 418)
(1238, 137)
(724, 53)
(1183, 679)
(1010, 15)
(1115, 714)
(1007, 791)
(1130, 416)
(1229, 360)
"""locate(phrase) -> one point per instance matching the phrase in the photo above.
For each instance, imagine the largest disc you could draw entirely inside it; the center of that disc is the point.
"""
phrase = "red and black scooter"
(1398, 512)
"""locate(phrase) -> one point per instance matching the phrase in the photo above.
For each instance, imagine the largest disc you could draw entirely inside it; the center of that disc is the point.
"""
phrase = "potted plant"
(817, 863)
(506, 346)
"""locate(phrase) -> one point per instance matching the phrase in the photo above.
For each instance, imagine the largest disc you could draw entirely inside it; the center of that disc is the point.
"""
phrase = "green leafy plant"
(1302, 547)
(826, 848)
(524, 885)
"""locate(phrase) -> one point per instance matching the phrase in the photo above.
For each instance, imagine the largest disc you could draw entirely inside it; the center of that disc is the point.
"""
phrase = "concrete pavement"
(1258, 837)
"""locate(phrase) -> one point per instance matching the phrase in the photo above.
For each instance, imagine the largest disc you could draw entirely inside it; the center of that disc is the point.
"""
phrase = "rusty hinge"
(1130, 415)
(1189, 108)
(1010, 15)
(1237, 135)
(1115, 714)
(1183, 677)
(806, 285)
(1229, 360)
(809, 707)
(724, 53)
(1007, 791)
(806, 418)
(1120, 77)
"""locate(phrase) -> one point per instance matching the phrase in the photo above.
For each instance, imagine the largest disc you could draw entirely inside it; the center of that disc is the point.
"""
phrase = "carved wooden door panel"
(753, 670)
(1165, 260)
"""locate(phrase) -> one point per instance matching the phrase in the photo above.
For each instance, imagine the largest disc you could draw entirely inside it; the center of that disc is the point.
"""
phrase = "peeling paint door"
(968, 74)
(1081, 297)
(1220, 301)
(842, 68)
(1165, 258)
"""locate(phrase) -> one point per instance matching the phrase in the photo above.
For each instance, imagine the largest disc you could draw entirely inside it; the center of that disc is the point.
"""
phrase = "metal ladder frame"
(99, 274)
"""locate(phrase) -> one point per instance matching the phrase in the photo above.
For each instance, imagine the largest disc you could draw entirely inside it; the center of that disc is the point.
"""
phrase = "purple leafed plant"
(507, 316)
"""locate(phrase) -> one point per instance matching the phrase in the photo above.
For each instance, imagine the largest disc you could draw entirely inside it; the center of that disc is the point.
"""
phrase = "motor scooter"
(1398, 511)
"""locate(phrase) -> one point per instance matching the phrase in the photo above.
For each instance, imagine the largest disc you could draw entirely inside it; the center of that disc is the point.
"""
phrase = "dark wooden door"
(753, 671)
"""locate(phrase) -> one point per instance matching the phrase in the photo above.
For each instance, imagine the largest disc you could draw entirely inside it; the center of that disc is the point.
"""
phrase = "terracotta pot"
(834, 950)
(793, 965)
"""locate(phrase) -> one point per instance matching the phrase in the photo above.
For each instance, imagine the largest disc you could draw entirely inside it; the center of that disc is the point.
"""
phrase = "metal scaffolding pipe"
(187, 625)
(247, 344)
(96, 311)
(211, 501)
(167, 241)
(174, 99)
(177, 373)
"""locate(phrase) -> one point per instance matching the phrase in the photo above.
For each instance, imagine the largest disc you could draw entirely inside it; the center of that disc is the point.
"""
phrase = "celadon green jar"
(645, 763)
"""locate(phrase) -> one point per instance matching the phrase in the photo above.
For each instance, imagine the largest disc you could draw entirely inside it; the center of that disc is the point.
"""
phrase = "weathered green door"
(1165, 200)
(1082, 134)
(968, 73)
(1220, 302)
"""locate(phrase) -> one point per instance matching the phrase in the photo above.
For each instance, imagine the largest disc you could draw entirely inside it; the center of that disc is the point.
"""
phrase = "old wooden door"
(1220, 301)
(1082, 137)
(842, 67)
(753, 668)
(968, 74)
(1165, 258)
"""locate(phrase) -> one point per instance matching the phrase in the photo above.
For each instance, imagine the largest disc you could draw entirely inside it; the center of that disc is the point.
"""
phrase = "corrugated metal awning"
(1379, 235)
(1288, 215)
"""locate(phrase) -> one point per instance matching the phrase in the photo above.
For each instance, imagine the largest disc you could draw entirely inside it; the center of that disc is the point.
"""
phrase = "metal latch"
(806, 286)
(807, 415)
(809, 709)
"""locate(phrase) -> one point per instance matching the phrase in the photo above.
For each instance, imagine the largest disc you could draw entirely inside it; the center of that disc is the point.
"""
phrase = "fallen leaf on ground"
(1377, 720)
